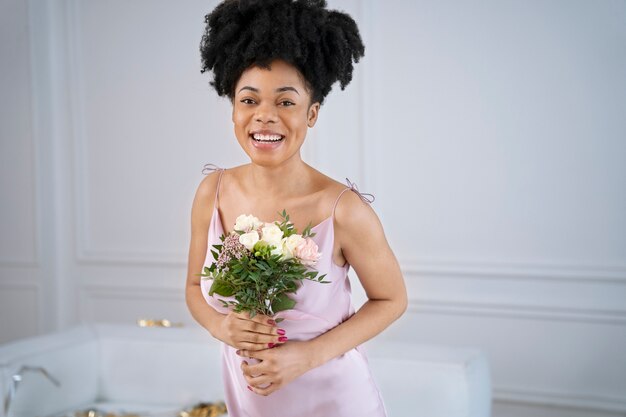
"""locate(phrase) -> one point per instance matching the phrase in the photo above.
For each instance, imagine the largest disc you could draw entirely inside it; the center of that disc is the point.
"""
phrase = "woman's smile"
(266, 139)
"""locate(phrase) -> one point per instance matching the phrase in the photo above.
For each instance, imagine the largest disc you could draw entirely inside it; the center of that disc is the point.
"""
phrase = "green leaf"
(278, 320)
(307, 230)
(221, 288)
(282, 302)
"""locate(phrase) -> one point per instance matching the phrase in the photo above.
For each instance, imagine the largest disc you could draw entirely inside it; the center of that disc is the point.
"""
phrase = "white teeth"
(267, 138)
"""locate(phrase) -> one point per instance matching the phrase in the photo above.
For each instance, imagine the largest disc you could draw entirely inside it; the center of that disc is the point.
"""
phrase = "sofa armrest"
(431, 380)
(70, 357)
(154, 365)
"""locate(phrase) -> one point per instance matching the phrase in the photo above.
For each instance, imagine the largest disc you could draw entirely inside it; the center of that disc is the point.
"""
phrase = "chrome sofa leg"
(17, 378)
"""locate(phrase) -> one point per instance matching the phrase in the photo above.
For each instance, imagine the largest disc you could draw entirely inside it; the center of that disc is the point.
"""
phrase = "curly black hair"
(320, 43)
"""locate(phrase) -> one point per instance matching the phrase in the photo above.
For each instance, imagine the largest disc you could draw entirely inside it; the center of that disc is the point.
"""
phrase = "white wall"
(491, 133)
(21, 288)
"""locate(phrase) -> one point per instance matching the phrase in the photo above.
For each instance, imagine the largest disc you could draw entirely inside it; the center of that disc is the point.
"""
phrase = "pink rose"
(307, 252)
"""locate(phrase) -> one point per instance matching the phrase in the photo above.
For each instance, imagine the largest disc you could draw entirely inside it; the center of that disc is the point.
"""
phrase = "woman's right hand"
(242, 332)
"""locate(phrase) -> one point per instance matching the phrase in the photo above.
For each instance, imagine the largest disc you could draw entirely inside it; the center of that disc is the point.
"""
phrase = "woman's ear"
(313, 113)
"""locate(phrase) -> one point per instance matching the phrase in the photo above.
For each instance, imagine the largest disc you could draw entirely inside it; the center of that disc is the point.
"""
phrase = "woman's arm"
(234, 329)
(365, 247)
(201, 211)
(363, 243)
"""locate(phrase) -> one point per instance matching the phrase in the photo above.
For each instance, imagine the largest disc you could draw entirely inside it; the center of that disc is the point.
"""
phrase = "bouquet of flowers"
(260, 263)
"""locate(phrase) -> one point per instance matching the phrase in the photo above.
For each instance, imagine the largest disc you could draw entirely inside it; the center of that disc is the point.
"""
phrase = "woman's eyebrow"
(247, 87)
(278, 90)
(281, 89)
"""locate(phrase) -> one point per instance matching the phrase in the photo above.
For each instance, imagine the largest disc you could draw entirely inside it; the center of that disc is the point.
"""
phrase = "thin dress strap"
(210, 168)
(352, 186)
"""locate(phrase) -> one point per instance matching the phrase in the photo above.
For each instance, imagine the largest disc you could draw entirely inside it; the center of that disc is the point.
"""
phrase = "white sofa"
(159, 371)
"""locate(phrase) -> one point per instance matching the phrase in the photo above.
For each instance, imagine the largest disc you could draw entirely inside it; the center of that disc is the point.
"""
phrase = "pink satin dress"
(341, 387)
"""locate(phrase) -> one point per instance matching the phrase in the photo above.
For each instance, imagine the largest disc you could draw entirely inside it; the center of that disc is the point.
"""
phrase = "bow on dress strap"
(369, 199)
(210, 168)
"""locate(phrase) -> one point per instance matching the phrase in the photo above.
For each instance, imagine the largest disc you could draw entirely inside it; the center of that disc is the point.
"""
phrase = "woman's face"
(272, 112)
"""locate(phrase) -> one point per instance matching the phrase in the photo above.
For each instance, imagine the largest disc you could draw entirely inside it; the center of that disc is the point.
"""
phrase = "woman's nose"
(265, 113)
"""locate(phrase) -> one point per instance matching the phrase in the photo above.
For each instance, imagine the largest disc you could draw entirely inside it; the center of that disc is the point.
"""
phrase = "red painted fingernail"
(272, 322)
(270, 345)
(249, 388)
(282, 339)
(281, 332)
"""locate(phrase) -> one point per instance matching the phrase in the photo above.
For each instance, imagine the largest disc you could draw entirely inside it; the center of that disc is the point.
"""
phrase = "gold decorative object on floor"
(205, 410)
(157, 323)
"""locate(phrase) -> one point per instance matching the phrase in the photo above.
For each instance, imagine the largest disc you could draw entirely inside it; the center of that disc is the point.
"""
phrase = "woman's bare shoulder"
(208, 185)
(352, 212)
(205, 196)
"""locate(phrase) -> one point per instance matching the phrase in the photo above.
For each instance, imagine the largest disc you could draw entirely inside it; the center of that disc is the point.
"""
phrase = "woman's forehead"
(280, 74)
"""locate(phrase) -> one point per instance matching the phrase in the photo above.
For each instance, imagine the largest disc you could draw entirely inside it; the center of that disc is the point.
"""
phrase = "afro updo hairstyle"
(320, 43)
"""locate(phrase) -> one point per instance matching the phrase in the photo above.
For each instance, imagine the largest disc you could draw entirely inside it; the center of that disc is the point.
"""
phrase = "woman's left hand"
(280, 365)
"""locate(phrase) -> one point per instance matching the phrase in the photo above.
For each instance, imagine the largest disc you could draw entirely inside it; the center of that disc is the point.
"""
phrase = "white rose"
(256, 223)
(272, 235)
(277, 250)
(289, 245)
(249, 239)
(245, 223)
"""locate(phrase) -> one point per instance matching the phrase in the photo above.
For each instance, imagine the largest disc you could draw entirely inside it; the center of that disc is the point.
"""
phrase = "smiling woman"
(277, 60)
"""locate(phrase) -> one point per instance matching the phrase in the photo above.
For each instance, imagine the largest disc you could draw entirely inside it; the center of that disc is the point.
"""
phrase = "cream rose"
(245, 223)
(249, 239)
(272, 235)
(277, 250)
(289, 245)
(307, 252)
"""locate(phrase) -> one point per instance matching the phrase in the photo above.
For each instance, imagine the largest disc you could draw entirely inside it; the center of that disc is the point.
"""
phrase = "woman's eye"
(247, 101)
(287, 103)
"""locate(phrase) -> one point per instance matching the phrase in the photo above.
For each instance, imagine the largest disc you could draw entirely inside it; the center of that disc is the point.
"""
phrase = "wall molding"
(11, 263)
(20, 274)
(544, 313)
(132, 292)
(19, 264)
(27, 285)
(581, 401)
(34, 260)
(412, 267)
(520, 311)
(85, 252)
(137, 258)
(530, 271)
(132, 303)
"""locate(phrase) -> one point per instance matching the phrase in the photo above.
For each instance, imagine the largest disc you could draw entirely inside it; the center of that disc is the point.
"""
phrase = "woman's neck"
(285, 180)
